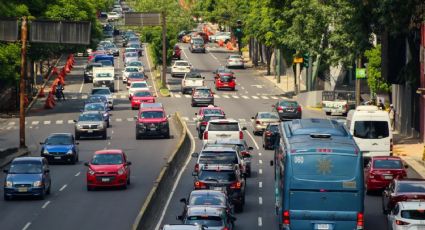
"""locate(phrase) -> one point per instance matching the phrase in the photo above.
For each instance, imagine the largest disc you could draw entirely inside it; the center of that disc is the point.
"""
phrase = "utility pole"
(22, 83)
(164, 50)
(297, 78)
(358, 89)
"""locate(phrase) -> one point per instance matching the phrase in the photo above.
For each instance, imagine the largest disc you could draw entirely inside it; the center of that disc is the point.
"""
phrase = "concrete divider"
(149, 214)
(7, 155)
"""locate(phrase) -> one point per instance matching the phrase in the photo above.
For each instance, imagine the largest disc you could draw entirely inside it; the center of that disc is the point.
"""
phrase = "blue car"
(60, 147)
(99, 107)
(27, 176)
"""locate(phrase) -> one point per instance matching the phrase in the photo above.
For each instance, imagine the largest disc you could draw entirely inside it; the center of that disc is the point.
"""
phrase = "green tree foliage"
(10, 55)
(374, 79)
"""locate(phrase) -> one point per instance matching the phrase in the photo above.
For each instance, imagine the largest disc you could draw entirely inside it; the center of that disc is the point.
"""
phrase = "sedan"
(136, 46)
(138, 64)
(288, 109)
(108, 168)
(60, 147)
(402, 190)
(134, 77)
(235, 61)
(137, 86)
(381, 170)
(27, 176)
(180, 68)
(262, 119)
(222, 70)
(203, 96)
(142, 96)
(270, 135)
(127, 71)
(130, 57)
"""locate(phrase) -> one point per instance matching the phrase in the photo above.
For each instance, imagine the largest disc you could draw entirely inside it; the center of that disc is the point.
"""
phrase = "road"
(71, 206)
(253, 94)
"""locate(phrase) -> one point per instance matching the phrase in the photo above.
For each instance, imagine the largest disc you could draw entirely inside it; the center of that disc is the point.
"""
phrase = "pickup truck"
(338, 102)
(191, 80)
(104, 77)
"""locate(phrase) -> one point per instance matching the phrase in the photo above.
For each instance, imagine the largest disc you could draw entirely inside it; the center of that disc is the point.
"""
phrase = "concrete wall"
(310, 99)
(402, 101)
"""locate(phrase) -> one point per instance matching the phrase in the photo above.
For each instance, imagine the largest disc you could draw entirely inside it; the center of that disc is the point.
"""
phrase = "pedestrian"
(381, 105)
(391, 114)
(59, 91)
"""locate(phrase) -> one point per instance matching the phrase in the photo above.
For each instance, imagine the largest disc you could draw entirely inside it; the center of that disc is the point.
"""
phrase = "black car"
(225, 177)
(88, 71)
(60, 147)
(288, 109)
(270, 135)
(202, 96)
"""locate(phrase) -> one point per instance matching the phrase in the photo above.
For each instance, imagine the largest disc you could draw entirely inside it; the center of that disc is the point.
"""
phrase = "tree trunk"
(260, 51)
(255, 59)
(269, 53)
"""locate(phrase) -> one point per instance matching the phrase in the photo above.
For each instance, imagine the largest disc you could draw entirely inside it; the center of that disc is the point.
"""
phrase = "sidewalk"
(410, 150)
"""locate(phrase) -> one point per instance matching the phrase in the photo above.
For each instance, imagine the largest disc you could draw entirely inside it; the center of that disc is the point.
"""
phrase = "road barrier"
(151, 210)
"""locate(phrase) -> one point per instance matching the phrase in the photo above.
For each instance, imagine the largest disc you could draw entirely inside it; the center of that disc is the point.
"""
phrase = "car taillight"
(236, 185)
(360, 221)
(279, 108)
(199, 185)
(285, 217)
(225, 228)
(268, 133)
(206, 135)
(196, 168)
(399, 222)
(299, 109)
(241, 135)
(257, 122)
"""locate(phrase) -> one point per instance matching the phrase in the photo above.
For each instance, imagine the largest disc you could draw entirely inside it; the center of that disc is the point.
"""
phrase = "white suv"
(222, 129)
(180, 68)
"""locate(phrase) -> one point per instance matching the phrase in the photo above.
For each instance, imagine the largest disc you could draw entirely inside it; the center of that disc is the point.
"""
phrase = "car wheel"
(48, 190)
(105, 135)
(200, 136)
(6, 197)
(248, 173)
(89, 188)
(107, 124)
(124, 186)
(138, 137)
(128, 180)
(167, 135)
(239, 208)
(77, 136)
(42, 195)
(328, 113)
(112, 107)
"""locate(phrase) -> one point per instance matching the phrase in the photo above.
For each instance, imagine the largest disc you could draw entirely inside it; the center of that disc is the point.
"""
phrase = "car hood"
(58, 148)
(24, 178)
(106, 168)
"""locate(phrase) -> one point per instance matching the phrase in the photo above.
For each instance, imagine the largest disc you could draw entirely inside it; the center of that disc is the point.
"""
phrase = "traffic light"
(306, 57)
(238, 30)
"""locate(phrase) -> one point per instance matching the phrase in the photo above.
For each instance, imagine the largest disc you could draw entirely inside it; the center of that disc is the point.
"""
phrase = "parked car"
(407, 215)
(108, 168)
(60, 147)
(202, 96)
(381, 170)
(27, 176)
(287, 109)
(270, 135)
(90, 124)
(152, 122)
(235, 61)
(402, 190)
(262, 119)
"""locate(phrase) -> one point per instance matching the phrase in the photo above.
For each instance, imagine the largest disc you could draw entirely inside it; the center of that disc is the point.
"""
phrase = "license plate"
(57, 158)
(89, 131)
(323, 226)
(23, 189)
(388, 177)
(103, 85)
(290, 110)
(152, 129)
(216, 188)
(105, 179)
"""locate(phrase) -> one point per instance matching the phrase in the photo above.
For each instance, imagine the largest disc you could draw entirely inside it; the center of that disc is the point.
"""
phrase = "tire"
(239, 208)
(248, 173)
(200, 136)
(138, 137)
(89, 188)
(167, 135)
(108, 124)
(105, 135)
(48, 190)
(124, 186)
(128, 180)
(112, 108)
(42, 196)
(328, 113)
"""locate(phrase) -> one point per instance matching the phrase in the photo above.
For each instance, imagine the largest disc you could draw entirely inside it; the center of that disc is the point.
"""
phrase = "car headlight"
(105, 114)
(37, 183)
(9, 184)
(45, 151)
(121, 171)
(91, 172)
(70, 152)
(79, 126)
(100, 126)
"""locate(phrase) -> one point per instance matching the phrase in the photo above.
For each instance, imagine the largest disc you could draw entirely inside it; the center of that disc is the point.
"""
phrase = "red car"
(225, 81)
(108, 168)
(211, 109)
(177, 52)
(381, 170)
(143, 96)
(402, 190)
(152, 122)
(137, 76)
(93, 54)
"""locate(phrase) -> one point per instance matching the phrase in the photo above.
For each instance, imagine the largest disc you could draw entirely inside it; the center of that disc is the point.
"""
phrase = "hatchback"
(407, 215)
(287, 109)
(60, 147)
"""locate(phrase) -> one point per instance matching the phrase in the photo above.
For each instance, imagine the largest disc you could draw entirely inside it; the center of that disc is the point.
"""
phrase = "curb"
(419, 168)
(9, 158)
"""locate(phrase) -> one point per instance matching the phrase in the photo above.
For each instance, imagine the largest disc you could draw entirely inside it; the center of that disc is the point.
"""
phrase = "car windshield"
(25, 167)
(105, 62)
(222, 176)
(136, 63)
(152, 114)
(136, 75)
(59, 140)
(413, 187)
(139, 85)
(387, 164)
(210, 221)
(207, 199)
(90, 117)
(223, 126)
(94, 107)
(101, 91)
(217, 157)
(107, 159)
(194, 76)
(133, 39)
(142, 94)
(371, 129)
(131, 54)
(131, 69)
(290, 104)
(268, 116)
(418, 214)
(182, 63)
(100, 75)
(136, 46)
(97, 98)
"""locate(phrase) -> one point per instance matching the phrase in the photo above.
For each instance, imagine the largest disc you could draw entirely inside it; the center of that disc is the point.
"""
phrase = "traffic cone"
(229, 46)
(48, 104)
(41, 94)
(67, 69)
(220, 43)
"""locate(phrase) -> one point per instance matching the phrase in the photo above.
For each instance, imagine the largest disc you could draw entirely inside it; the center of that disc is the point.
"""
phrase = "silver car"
(90, 124)
(261, 120)
(105, 91)
(235, 61)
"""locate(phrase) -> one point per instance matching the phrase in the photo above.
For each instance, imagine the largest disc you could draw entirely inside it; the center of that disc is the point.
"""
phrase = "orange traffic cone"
(220, 43)
(41, 94)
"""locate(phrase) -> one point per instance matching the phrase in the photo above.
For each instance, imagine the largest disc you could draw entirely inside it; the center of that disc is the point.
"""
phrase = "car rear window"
(273, 128)
(182, 64)
(210, 221)
(103, 75)
(387, 164)
(413, 187)
(212, 117)
(209, 199)
(288, 104)
(226, 78)
(371, 129)
(215, 157)
(139, 85)
(220, 176)
(223, 126)
(142, 94)
(268, 116)
(136, 75)
(131, 54)
(212, 111)
(194, 76)
(418, 214)
(132, 69)
(101, 91)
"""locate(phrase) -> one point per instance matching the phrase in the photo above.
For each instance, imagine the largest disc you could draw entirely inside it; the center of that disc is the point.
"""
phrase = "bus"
(318, 170)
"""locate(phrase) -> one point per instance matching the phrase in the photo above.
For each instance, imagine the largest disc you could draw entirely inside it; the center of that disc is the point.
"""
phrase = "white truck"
(104, 77)
(191, 80)
(338, 102)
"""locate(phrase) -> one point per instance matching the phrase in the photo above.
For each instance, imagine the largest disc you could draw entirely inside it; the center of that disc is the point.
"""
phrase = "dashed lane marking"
(77, 174)
(235, 96)
(45, 204)
(70, 121)
(217, 96)
(260, 184)
(260, 162)
(226, 96)
(187, 96)
(26, 226)
(11, 123)
(130, 119)
(273, 97)
(177, 95)
(245, 97)
(259, 154)
(63, 187)
(260, 171)
(260, 222)
(84, 97)
(260, 200)
(255, 97)
(46, 122)
(59, 122)
(118, 120)
(74, 97)
(35, 122)
(265, 97)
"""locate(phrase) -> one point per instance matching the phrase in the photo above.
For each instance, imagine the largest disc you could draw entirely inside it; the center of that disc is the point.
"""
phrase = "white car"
(137, 86)
(137, 64)
(127, 71)
(223, 129)
(112, 16)
(235, 61)
(130, 57)
(180, 68)
(224, 36)
(407, 215)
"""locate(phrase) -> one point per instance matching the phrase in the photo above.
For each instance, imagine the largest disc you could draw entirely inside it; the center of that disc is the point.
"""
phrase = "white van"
(371, 129)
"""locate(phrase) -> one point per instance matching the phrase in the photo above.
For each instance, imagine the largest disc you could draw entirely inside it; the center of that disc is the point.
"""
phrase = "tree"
(375, 81)
(10, 55)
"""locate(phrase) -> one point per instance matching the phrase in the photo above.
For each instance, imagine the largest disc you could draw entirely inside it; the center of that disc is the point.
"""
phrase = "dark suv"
(223, 177)
(288, 109)
(152, 122)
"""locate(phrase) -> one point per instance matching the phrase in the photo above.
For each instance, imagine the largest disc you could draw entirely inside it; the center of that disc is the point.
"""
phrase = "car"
(88, 71)
(228, 177)
(108, 168)
(202, 123)
(113, 16)
(90, 124)
(130, 57)
(270, 135)
(94, 54)
(224, 36)
(139, 64)
(210, 109)
(151, 105)
(137, 47)
(261, 119)
(101, 108)
(211, 218)
(180, 68)
(244, 150)
(197, 45)
(287, 109)
(127, 70)
(112, 49)
(225, 81)
(235, 61)
(222, 71)
(142, 96)
(381, 170)
(177, 52)
(191, 80)
(105, 91)
(181, 34)
(402, 190)
(105, 59)
(202, 96)
(60, 147)
(223, 129)
(137, 86)
(27, 176)
(182, 227)
(96, 99)
(152, 122)
(129, 50)
(135, 77)
(407, 215)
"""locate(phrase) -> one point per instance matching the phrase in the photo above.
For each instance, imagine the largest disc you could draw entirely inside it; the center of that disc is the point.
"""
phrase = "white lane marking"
(245, 97)
(109, 143)
(253, 140)
(226, 96)
(185, 118)
(260, 200)
(273, 97)
(212, 55)
(184, 53)
(260, 171)
(216, 96)
(260, 162)
(118, 120)
(74, 97)
(189, 157)
(123, 96)
(30, 127)
(70, 121)
(177, 95)
(242, 87)
(260, 221)
(63, 187)
(9, 128)
(265, 97)
(11, 123)
(255, 97)
(260, 184)
(35, 122)
(59, 122)
(77, 174)
(112, 131)
(26, 226)
(46, 122)
(150, 70)
(242, 120)
(45, 204)
(187, 96)
(84, 97)
(114, 96)
(194, 118)
(130, 119)
(169, 89)
(259, 154)
(81, 86)
(235, 96)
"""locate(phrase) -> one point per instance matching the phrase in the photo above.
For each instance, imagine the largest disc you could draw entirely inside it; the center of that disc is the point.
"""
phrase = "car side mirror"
(406, 166)
(243, 128)
(250, 148)
(194, 173)
(195, 154)
(75, 121)
(41, 143)
(86, 163)
(183, 200)
(77, 143)
(129, 163)
(5, 170)
(203, 77)
(271, 163)
(196, 114)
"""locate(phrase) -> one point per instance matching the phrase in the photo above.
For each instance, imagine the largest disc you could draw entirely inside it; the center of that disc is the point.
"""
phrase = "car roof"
(204, 210)
(89, 112)
(386, 158)
(60, 134)
(315, 125)
(28, 159)
(109, 151)
(211, 107)
(91, 103)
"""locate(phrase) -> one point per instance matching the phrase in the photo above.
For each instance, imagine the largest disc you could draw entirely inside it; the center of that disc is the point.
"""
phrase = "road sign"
(66, 32)
(298, 60)
(142, 19)
(360, 73)
(9, 30)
